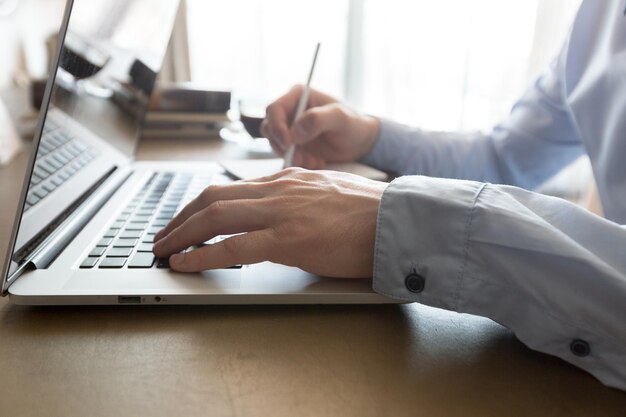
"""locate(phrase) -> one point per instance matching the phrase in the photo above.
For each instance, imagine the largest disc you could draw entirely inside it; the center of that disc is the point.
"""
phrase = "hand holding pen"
(324, 131)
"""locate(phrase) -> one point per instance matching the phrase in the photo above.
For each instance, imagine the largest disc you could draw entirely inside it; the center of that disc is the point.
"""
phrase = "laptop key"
(142, 260)
(163, 263)
(165, 215)
(130, 234)
(137, 226)
(32, 199)
(54, 163)
(145, 247)
(125, 243)
(40, 192)
(140, 219)
(153, 230)
(97, 251)
(45, 166)
(112, 263)
(119, 252)
(104, 242)
(111, 233)
(117, 225)
(49, 187)
(89, 262)
(61, 159)
(160, 223)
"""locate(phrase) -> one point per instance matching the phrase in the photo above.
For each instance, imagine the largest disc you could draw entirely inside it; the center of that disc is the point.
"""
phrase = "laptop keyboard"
(128, 241)
(59, 158)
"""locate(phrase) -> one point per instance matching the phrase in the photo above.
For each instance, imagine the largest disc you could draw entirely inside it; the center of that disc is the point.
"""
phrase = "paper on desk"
(250, 169)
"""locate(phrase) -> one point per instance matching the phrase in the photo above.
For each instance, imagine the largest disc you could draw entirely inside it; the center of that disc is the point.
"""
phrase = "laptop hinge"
(47, 251)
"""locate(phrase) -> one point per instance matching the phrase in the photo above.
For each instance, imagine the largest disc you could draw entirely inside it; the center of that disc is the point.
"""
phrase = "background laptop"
(88, 212)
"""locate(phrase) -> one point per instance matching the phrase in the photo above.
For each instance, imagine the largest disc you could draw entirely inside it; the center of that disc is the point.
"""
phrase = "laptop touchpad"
(156, 280)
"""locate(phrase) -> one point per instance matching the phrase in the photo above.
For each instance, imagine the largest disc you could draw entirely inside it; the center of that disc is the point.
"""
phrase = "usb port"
(127, 299)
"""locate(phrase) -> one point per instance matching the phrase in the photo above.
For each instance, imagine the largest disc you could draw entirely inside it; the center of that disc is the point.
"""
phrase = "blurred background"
(444, 65)
(449, 64)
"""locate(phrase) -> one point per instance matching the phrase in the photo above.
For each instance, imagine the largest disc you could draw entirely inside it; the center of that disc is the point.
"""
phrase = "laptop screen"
(111, 53)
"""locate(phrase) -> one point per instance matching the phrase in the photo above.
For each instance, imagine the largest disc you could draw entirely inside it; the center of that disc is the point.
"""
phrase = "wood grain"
(273, 361)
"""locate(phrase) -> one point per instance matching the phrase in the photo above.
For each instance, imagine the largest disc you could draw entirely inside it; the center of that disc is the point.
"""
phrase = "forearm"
(404, 150)
(548, 270)
(505, 156)
(535, 141)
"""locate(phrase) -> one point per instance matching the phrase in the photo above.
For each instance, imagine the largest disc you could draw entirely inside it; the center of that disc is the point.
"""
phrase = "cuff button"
(415, 283)
(580, 348)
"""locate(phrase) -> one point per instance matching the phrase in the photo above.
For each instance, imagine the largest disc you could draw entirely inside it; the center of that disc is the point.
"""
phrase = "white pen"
(302, 104)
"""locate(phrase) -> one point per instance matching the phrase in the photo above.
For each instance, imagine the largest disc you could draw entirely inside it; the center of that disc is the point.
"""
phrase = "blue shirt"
(481, 243)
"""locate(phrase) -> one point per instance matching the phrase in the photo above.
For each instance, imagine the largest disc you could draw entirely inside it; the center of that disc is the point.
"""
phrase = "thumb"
(317, 121)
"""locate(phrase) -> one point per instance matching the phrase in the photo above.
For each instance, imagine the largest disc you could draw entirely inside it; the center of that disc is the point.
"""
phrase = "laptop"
(88, 212)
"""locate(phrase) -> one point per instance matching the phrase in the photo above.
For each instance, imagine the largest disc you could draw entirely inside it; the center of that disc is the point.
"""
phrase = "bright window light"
(444, 65)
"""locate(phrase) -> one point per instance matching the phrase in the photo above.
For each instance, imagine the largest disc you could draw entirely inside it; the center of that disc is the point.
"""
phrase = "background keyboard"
(59, 157)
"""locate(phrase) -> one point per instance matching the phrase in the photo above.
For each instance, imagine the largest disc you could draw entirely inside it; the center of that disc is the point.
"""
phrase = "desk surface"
(407, 360)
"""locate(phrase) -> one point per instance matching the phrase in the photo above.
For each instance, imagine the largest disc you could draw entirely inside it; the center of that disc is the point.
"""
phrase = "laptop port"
(126, 299)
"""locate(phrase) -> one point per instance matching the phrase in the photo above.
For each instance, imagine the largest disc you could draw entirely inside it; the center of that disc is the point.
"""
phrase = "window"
(449, 64)
(263, 47)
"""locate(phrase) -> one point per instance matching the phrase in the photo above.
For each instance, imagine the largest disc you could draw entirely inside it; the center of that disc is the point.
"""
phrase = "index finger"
(280, 113)
(211, 194)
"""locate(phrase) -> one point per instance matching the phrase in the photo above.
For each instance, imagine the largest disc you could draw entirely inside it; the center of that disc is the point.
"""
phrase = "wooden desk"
(344, 361)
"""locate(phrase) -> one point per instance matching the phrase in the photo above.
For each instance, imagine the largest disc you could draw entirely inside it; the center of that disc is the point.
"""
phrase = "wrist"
(370, 134)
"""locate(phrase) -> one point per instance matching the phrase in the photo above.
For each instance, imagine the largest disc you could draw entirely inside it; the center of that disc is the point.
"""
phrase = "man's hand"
(323, 222)
(327, 132)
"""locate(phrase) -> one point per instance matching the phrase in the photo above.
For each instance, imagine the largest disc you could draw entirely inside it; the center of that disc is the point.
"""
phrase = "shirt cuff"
(422, 238)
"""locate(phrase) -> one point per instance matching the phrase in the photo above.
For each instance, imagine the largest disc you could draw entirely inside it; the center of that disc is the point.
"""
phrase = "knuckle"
(172, 240)
(270, 110)
(216, 208)
(339, 110)
(314, 119)
(292, 176)
(292, 171)
(207, 194)
(283, 184)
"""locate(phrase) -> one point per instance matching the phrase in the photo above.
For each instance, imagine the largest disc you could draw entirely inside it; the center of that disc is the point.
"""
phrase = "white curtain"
(446, 64)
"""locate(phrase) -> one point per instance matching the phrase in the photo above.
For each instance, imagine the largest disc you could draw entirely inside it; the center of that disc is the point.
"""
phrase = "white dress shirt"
(552, 272)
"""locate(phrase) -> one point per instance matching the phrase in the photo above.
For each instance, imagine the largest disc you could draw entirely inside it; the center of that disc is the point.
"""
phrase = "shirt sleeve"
(547, 269)
(537, 140)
